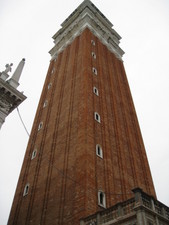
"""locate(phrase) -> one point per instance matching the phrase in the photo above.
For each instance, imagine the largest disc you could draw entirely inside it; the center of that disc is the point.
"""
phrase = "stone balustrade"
(142, 209)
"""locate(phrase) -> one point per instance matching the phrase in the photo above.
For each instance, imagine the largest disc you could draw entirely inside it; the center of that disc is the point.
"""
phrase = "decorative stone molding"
(4, 76)
(87, 16)
(142, 209)
(10, 98)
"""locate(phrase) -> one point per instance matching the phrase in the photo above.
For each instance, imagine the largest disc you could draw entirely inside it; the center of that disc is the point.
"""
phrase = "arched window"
(95, 90)
(40, 126)
(93, 42)
(34, 154)
(45, 103)
(99, 151)
(97, 117)
(94, 70)
(53, 70)
(26, 189)
(49, 85)
(101, 199)
(93, 55)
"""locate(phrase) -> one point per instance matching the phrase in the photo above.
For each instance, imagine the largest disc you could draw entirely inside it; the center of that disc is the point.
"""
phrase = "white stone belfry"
(14, 80)
(87, 15)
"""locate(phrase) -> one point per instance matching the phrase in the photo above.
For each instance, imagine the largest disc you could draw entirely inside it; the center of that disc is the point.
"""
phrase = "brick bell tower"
(85, 151)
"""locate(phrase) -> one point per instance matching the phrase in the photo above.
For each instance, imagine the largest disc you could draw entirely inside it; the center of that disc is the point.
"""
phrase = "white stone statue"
(8, 68)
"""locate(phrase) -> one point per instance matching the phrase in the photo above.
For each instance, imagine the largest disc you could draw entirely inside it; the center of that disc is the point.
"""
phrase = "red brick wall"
(66, 174)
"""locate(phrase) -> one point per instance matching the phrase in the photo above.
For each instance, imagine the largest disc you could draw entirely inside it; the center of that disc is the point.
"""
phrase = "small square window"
(26, 190)
(93, 55)
(94, 70)
(34, 154)
(40, 126)
(99, 151)
(95, 90)
(102, 199)
(93, 42)
(97, 117)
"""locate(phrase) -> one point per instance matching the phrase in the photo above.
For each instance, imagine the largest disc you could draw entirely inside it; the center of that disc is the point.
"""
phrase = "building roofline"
(87, 15)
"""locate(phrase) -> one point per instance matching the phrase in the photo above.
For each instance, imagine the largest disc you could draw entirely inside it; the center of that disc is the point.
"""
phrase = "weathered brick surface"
(66, 174)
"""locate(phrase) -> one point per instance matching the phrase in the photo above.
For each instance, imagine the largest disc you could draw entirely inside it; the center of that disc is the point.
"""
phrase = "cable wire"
(60, 171)
(22, 122)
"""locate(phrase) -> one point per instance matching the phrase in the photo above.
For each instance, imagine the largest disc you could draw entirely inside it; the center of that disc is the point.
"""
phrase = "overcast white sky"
(26, 28)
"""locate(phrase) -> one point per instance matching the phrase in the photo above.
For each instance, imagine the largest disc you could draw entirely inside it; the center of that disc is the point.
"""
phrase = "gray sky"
(26, 28)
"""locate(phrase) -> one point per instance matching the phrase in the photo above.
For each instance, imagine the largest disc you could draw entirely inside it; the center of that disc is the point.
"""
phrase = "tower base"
(143, 209)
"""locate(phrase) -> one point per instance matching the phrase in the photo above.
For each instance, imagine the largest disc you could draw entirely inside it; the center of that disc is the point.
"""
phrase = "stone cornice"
(87, 16)
(80, 8)
(10, 98)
